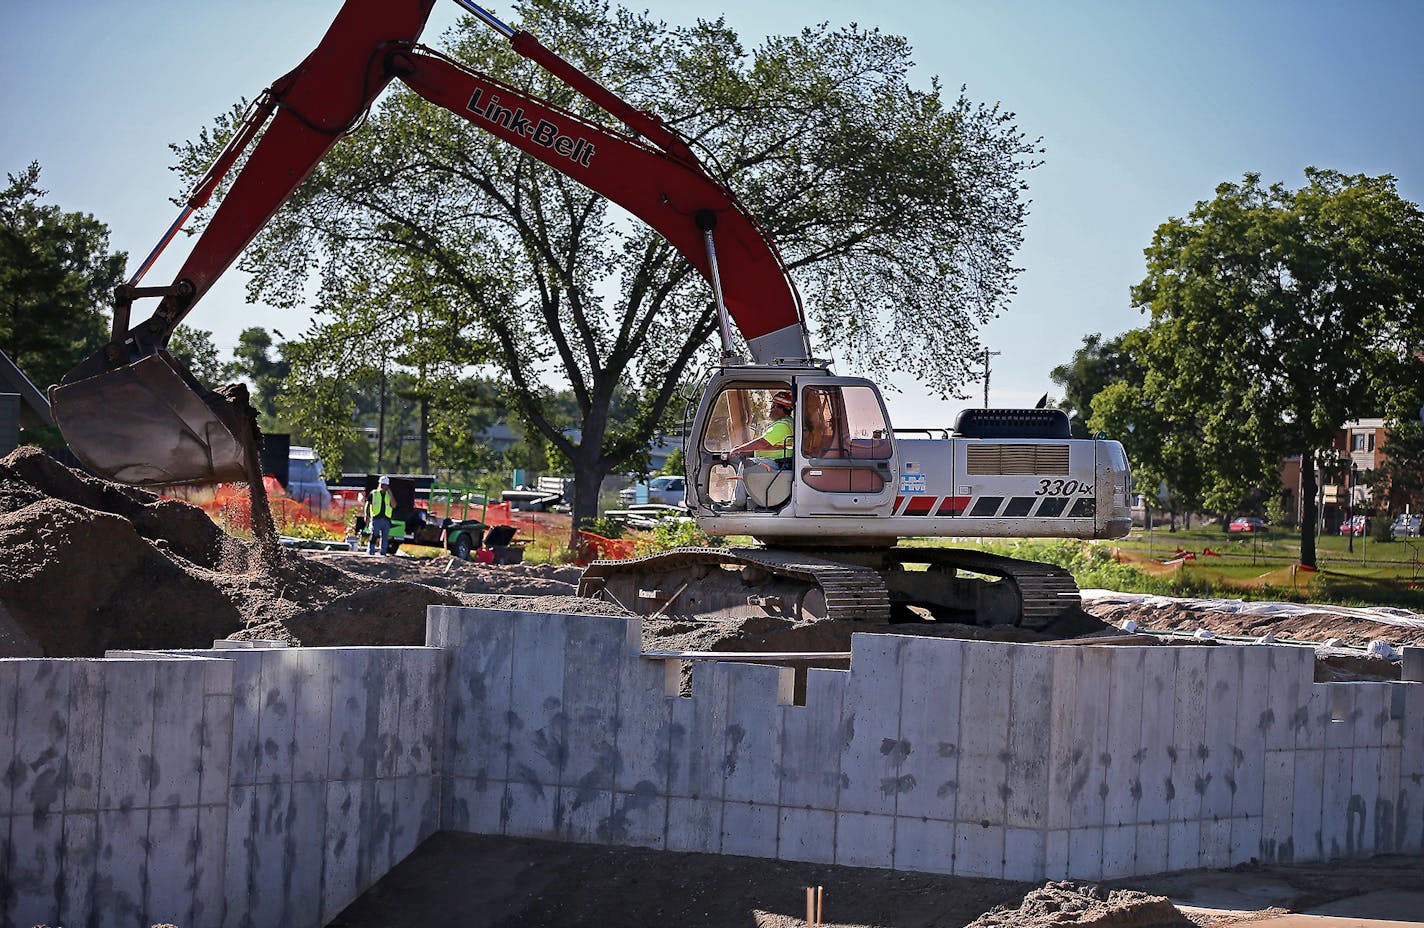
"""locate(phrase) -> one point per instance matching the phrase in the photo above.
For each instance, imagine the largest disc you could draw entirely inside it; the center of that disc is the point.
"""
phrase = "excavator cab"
(773, 445)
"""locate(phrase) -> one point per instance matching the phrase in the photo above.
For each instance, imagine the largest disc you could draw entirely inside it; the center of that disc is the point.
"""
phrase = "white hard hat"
(385, 481)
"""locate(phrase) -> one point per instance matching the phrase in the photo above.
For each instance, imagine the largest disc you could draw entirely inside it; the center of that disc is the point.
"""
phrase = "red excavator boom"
(133, 413)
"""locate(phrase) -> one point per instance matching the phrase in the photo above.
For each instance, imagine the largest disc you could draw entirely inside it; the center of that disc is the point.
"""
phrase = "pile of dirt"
(89, 565)
(1067, 903)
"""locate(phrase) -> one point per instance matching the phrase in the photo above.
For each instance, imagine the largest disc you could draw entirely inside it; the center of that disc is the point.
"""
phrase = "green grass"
(1248, 567)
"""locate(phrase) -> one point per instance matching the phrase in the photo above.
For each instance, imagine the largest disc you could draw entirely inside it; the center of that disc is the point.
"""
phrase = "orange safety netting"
(596, 547)
(229, 505)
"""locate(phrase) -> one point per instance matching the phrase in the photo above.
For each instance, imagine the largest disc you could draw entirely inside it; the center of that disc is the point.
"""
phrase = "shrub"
(677, 533)
(605, 527)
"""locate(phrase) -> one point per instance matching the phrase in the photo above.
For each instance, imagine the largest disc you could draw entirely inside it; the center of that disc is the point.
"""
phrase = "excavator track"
(849, 592)
(1035, 595)
(861, 588)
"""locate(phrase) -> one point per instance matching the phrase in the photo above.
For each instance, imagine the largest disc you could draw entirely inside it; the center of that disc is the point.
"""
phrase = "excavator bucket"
(151, 422)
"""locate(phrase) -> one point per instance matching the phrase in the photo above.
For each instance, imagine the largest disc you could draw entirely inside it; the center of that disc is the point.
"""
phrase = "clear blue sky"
(1144, 107)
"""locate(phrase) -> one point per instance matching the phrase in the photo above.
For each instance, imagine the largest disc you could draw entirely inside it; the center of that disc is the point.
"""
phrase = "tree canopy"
(436, 247)
(1277, 315)
(57, 278)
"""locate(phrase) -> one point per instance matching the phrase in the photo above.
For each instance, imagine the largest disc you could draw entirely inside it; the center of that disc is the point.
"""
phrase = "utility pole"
(987, 355)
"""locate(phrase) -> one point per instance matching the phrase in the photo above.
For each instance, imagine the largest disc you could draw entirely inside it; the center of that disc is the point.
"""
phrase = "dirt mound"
(79, 581)
(448, 573)
(28, 475)
(87, 565)
(387, 614)
(1067, 903)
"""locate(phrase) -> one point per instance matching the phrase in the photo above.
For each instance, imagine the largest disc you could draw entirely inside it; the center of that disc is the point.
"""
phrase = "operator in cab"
(774, 443)
(769, 452)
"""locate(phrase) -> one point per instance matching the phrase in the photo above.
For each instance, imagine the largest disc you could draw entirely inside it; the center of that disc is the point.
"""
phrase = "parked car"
(1355, 525)
(1406, 525)
(668, 491)
(1246, 524)
(305, 482)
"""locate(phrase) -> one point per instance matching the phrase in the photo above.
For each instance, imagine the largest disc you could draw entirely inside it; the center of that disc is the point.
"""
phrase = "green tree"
(1399, 480)
(675, 464)
(1097, 364)
(1277, 316)
(195, 350)
(889, 202)
(265, 374)
(57, 277)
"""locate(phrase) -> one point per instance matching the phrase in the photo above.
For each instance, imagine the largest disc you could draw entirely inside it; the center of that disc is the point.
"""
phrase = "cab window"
(844, 422)
(739, 415)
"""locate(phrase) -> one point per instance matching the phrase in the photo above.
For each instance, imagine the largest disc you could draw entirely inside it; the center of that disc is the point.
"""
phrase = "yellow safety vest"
(381, 504)
(779, 435)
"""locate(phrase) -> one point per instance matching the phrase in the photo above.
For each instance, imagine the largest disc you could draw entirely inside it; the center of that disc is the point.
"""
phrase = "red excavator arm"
(131, 412)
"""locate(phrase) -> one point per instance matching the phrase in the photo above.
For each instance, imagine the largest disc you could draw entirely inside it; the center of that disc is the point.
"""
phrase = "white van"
(305, 482)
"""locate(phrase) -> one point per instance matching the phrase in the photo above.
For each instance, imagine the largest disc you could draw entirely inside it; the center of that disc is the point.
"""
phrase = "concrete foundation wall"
(269, 787)
(976, 758)
(213, 788)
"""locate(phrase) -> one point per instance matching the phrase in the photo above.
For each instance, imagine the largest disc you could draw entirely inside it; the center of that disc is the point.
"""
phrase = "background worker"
(379, 507)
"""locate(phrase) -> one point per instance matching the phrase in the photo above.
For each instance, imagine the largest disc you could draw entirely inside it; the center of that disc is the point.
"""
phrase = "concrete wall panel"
(126, 765)
(1123, 756)
(1030, 730)
(172, 864)
(922, 844)
(1277, 844)
(34, 870)
(749, 828)
(694, 825)
(1159, 675)
(85, 736)
(1064, 755)
(1189, 750)
(1223, 704)
(120, 886)
(81, 860)
(538, 724)
(10, 671)
(638, 819)
(643, 722)
(753, 734)
(873, 754)
(984, 717)
(927, 781)
(810, 835)
(312, 671)
(1362, 812)
(697, 736)
(1409, 806)
(864, 840)
(811, 743)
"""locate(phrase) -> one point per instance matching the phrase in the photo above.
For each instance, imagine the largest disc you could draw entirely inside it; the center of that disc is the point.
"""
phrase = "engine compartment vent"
(1012, 423)
(1017, 459)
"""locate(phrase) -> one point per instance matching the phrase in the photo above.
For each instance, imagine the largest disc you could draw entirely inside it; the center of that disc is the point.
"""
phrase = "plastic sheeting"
(1385, 615)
